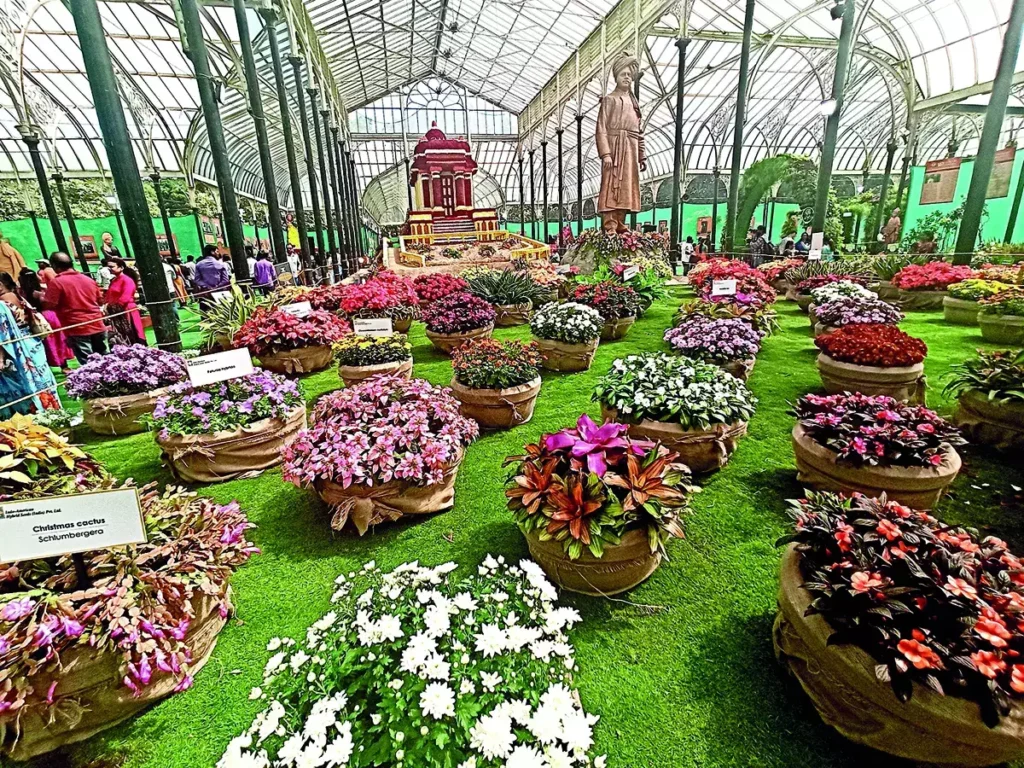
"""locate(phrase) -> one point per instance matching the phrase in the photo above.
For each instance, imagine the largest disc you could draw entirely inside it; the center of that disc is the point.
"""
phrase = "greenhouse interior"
(511, 383)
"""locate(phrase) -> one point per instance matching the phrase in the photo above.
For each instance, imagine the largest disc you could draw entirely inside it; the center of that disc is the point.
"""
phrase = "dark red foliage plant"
(881, 346)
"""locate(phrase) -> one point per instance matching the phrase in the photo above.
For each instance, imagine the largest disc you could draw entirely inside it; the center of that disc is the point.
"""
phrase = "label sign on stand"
(65, 525)
(218, 367)
(372, 326)
(563, 269)
(817, 243)
(299, 308)
(630, 272)
(723, 288)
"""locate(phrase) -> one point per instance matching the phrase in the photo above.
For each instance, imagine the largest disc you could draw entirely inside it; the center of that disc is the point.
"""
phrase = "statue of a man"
(620, 143)
(891, 231)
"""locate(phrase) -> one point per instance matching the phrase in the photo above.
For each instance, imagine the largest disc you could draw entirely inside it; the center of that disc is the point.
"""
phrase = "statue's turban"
(625, 61)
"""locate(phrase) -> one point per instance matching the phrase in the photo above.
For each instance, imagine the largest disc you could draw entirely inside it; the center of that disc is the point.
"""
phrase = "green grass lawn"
(681, 670)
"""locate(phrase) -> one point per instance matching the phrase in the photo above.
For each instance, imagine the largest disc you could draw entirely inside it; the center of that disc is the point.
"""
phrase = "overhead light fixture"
(837, 11)
(827, 108)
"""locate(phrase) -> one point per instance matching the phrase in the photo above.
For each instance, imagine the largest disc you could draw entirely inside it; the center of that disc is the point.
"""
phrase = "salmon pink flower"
(919, 654)
(988, 663)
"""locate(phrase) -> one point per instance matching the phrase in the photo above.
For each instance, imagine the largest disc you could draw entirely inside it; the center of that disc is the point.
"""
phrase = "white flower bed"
(570, 323)
(416, 668)
(840, 290)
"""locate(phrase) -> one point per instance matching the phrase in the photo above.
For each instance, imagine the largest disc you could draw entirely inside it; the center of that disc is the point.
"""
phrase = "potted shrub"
(774, 273)
(567, 335)
(385, 294)
(844, 312)
(804, 290)
(616, 303)
(326, 297)
(118, 388)
(886, 267)
(456, 319)
(222, 431)
(844, 289)
(285, 343)
(961, 307)
(547, 277)
(760, 317)
(360, 357)
(696, 409)
(512, 294)
(904, 631)
(65, 423)
(1001, 317)
(39, 462)
(924, 286)
(496, 382)
(730, 344)
(990, 407)
(436, 286)
(381, 450)
(873, 445)
(872, 360)
(597, 506)
(221, 320)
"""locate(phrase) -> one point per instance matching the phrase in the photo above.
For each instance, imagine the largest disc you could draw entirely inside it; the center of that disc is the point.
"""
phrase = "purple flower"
(593, 443)
(17, 609)
(126, 370)
(715, 341)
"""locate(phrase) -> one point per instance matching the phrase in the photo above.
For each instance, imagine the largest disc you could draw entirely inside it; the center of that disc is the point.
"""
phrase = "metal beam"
(961, 94)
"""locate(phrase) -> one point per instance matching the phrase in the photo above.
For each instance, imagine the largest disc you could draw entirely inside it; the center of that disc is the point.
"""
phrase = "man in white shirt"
(104, 277)
(293, 265)
(169, 275)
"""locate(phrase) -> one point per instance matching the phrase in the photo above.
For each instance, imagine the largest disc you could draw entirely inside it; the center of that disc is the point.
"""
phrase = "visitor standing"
(26, 381)
(169, 276)
(107, 247)
(210, 275)
(250, 259)
(46, 273)
(58, 353)
(293, 265)
(264, 274)
(9, 291)
(803, 245)
(75, 298)
(11, 260)
(688, 249)
(122, 312)
(104, 276)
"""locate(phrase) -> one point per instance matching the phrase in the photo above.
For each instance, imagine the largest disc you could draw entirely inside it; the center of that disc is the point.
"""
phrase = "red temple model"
(442, 181)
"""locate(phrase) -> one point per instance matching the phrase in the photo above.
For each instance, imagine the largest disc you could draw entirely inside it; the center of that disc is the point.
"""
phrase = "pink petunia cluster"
(933, 276)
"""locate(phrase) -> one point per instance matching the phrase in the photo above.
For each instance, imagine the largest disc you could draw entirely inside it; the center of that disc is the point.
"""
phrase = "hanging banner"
(704, 226)
(164, 247)
(211, 230)
(940, 178)
(1002, 172)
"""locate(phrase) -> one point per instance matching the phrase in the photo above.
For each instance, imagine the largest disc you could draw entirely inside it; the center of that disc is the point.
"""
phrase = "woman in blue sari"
(26, 382)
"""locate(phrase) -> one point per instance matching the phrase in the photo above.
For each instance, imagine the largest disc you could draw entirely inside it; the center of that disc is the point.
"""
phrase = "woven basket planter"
(364, 506)
(904, 383)
(929, 729)
(614, 330)
(804, 301)
(294, 362)
(740, 369)
(622, 567)
(990, 422)
(510, 315)
(703, 451)
(888, 292)
(401, 326)
(820, 329)
(569, 358)
(356, 374)
(1002, 329)
(959, 311)
(448, 342)
(119, 415)
(497, 408)
(916, 487)
(782, 287)
(921, 300)
(90, 695)
(228, 454)
(812, 315)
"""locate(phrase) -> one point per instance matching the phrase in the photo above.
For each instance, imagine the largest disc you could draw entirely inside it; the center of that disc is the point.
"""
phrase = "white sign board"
(723, 288)
(220, 296)
(630, 272)
(563, 269)
(372, 326)
(62, 525)
(817, 243)
(220, 366)
(299, 308)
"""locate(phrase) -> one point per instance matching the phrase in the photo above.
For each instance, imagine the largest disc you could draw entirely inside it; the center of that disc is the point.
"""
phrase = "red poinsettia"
(873, 344)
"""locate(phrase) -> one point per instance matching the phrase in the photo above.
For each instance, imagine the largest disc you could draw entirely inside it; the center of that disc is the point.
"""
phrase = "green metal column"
(314, 195)
(880, 214)
(162, 207)
(970, 224)
(544, 188)
(676, 223)
(39, 234)
(522, 198)
(737, 140)
(120, 227)
(124, 170)
(195, 47)
(561, 188)
(31, 140)
(345, 211)
(533, 200)
(252, 83)
(352, 252)
(339, 224)
(357, 216)
(58, 179)
(579, 175)
(713, 245)
(324, 182)
(828, 150)
(270, 18)
(199, 229)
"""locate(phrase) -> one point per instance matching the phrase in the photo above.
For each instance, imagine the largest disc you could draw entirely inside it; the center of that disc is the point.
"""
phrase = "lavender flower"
(715, 341)
(857, 311)
(129, 370)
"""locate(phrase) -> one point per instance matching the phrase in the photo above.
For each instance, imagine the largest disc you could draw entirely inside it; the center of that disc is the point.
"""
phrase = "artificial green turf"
(681, 669)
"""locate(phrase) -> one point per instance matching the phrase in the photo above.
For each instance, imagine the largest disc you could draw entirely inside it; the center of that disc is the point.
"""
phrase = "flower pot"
(509, 315)
(782, 287)
(701, 450)
(293, 362)
(89, 688)
(904, 383)
(917, 487)
(356, 374)
(119, 415)
(570, 358)
(448, 342)
(229, 453)
(563, 290)
(401, 326)
(840, 680)
(921, 300)
(812, 315)
(1002, 329)
(365, 506)
(617, 329)
(888, 292)
(959, 311)
(740, 369)
(497, 408)
(991, 422)
(623, 566)
(804, 301)
(553, 296)
(820, 329)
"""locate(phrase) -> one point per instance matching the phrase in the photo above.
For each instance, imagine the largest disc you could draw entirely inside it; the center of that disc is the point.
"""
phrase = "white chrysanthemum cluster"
(417, 668)
(570, 323)
(840, 290)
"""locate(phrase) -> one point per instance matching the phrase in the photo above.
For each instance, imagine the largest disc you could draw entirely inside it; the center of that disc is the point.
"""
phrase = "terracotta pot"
(820, 329)
(1002, 329)
(356, 374)
(509, 315)
(366, 506)
(904, 383)
(917, 487)
(840, 680)
(401, 326)
(617, 329)
(91, 694)
(447, 342)
(702, 451)
(294, 362)
(921, 300)
(887, 291)
(497, 408)
(959, 311)
(991, 422)
(119, 415)
(622, 567)
(740, 369)
(804, 301)
(228, 454)
(570, 358)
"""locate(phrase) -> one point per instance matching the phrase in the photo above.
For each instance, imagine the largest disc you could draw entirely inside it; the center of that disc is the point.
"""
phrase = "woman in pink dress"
(58, 353)
(120, 297)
